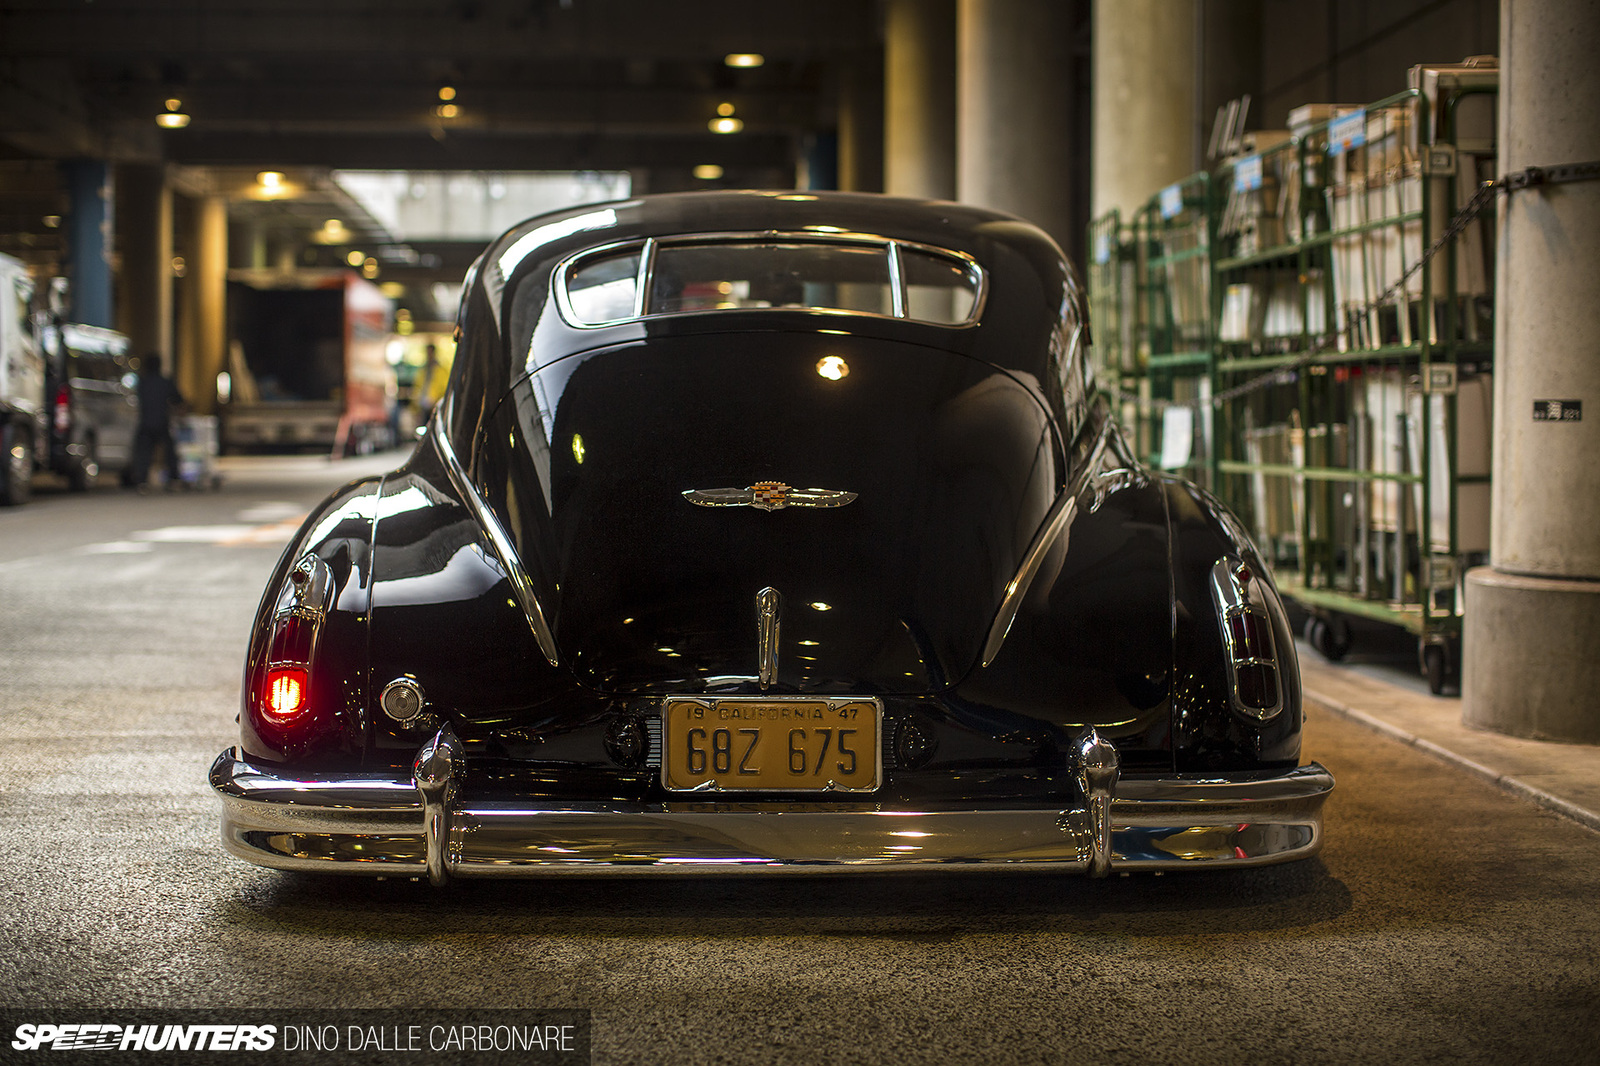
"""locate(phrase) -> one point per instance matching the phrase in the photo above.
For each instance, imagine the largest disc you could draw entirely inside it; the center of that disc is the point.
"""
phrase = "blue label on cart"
(1172, 201)
(1347, 131)
(1247, 174)
(1558, 410)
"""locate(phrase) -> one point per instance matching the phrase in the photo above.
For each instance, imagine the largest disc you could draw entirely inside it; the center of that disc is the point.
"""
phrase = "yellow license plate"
(753, 743)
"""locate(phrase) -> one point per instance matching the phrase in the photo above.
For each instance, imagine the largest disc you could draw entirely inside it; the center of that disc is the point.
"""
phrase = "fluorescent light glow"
(708, 172)
(725, 125)
(172, 120)
(269, 179)
(744, 59)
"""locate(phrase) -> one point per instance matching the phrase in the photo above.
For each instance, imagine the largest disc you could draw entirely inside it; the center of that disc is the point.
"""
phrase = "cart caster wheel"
(1436, 668)
(1330, 636)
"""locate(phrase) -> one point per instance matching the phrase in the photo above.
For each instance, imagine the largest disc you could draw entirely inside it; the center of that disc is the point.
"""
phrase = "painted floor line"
(1516, 786)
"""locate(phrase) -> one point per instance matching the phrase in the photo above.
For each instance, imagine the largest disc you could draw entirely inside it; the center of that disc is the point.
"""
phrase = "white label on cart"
(1347, 132)
(1172, 201)
(1247, 174)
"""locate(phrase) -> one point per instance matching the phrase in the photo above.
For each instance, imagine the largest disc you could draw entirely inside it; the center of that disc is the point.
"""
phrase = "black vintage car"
(770, 531)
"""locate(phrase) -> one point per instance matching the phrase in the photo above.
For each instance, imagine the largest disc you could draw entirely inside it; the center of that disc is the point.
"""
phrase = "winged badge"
(768, 496)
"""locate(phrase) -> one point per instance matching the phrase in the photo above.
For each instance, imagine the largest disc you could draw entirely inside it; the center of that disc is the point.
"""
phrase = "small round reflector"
(286, 694)
(402, 699)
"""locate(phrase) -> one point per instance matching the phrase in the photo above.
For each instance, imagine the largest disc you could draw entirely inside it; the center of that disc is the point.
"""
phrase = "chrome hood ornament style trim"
(768, 605)
(768, 496)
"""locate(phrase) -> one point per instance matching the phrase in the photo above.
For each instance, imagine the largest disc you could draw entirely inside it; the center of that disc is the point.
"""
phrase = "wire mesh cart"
(1345, 357)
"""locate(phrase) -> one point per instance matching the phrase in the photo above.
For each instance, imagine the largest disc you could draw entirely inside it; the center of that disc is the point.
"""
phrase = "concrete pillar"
(1531, 661)
(1016, 79)
(860, 158)
(144, 229)
(202, 339)
(1145, 101)
(919, 105)
(89, 240)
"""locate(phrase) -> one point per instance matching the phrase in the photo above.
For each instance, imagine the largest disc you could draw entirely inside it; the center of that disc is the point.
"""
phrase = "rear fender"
(1211, 729)
(316, 608)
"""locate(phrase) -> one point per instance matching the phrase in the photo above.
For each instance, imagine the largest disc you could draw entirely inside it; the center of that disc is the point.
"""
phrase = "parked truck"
(307, 367)
(24, 418)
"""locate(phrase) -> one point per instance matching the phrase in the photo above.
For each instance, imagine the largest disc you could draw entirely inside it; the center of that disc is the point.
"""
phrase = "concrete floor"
(1446, 920)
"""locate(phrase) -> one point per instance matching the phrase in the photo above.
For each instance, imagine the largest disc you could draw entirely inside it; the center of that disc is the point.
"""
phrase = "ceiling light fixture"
(708, 172)
(744, 59)
(173, 118)
(447, 111)
(724, 109)
(447, 92)
(725, 125)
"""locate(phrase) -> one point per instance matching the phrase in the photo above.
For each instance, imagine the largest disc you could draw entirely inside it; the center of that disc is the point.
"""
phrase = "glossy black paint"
(954, 461)
(957, 439)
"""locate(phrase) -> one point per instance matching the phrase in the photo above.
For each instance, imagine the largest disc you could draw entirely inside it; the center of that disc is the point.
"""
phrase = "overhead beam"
(135, 30)
(473, 151)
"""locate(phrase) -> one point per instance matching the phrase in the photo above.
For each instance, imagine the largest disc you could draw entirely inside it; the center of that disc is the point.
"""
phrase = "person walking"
(159, 399)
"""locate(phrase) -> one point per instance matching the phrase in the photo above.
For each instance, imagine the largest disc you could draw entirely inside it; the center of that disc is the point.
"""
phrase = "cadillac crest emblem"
(768, 496)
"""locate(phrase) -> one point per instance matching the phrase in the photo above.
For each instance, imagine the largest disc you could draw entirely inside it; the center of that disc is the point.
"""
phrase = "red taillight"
(63, 410)
(1248, 633)
(287, 692)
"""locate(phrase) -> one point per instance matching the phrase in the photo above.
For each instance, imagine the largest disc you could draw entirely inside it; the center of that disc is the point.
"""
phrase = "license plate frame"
(844, 719)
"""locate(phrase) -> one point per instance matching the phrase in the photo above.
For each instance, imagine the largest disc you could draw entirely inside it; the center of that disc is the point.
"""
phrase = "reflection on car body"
(770, 532)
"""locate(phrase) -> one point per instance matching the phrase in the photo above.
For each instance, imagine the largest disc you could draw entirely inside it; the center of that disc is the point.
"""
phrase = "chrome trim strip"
(1057, 522)
(365, 824)
(769, 604)
(646, 278)
(1098, 768)
(897, 282)
(499, 539)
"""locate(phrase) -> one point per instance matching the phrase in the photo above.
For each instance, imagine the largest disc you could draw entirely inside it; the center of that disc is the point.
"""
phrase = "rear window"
(886, 278)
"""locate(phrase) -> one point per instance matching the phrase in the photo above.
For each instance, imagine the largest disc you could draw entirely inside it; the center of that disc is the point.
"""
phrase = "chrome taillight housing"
(1244, 610)
(283, 694)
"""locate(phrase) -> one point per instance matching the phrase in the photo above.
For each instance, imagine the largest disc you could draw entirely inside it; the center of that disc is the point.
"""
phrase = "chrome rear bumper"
(377, 825)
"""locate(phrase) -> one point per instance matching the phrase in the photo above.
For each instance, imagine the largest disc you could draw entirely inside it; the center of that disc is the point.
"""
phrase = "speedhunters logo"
(270, 1036)
(108, 1037)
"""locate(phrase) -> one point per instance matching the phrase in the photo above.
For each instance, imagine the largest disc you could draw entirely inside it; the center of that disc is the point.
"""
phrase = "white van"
(23, 414)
